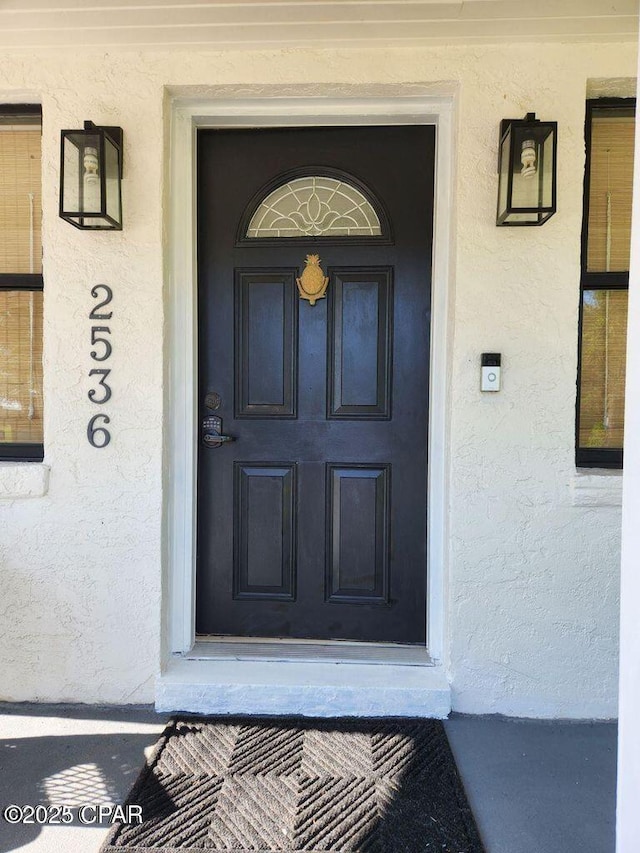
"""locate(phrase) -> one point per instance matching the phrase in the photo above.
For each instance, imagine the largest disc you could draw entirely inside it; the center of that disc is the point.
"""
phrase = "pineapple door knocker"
(312, 284)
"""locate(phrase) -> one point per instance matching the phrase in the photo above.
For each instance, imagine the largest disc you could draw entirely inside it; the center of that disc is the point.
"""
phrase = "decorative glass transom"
(315, 206)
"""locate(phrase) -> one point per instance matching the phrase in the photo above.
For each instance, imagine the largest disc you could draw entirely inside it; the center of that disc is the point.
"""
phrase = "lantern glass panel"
(82, 187)
(547, 167)
(71, 172)
(526, 175)
(532, 172)
(91, 190)
(82, 184)
(112, 179)
(503, 187)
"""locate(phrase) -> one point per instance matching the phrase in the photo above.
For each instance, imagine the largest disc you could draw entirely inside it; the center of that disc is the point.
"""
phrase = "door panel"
(266, 344)
(360, 340)
(357, 534)
(312, 523)
(265, 516)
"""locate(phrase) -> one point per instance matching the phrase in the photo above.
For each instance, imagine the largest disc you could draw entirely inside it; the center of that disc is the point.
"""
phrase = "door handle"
(213, 440)
(212, 432)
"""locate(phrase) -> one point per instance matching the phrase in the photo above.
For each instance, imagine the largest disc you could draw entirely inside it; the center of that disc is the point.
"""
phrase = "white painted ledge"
(603, 488)
(306, 689)
(23, 480)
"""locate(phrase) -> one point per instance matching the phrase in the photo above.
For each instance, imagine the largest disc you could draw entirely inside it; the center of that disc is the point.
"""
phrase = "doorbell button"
(490, 371)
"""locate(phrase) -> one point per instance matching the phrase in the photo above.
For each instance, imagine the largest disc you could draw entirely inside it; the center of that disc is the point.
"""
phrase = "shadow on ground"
(67, 769)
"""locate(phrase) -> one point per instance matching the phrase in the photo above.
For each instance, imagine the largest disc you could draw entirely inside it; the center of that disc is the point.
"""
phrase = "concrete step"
(313, 689)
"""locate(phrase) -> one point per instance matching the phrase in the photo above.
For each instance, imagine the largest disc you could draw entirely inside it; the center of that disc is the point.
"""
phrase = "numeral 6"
(93, 431)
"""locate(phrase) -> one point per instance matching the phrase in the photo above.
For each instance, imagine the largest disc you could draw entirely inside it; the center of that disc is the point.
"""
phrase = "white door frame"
(406, 105)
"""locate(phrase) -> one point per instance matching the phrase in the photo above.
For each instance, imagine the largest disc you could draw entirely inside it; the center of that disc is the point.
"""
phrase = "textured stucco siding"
(532, 578)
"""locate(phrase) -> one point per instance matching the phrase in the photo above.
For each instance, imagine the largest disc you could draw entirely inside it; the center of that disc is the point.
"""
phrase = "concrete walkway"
(535, 787)
(538, 787)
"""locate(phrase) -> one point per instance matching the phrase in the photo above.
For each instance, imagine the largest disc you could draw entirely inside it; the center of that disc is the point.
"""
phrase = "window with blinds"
(610, 189)
(610, 131)
(21, 434)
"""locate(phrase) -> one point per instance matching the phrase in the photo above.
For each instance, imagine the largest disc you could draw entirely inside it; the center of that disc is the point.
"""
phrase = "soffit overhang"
(265, 24)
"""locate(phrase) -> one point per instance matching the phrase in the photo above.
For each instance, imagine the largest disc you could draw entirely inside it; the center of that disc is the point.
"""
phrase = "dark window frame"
(595, 457)
(17, 451)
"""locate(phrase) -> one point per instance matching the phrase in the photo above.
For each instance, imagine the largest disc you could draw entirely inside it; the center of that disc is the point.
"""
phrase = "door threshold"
(213, 647)
(299, 687)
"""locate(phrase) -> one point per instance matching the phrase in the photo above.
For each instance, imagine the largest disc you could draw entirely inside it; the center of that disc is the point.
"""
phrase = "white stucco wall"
(628, 816)
(532, 577)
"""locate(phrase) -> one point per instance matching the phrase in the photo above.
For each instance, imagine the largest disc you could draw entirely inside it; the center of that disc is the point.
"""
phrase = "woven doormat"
(285, 784)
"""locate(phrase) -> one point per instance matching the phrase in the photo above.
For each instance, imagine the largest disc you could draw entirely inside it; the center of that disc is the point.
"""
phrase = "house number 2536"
(97, 432)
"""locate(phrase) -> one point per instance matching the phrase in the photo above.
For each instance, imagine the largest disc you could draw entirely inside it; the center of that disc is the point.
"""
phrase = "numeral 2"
(109, 296)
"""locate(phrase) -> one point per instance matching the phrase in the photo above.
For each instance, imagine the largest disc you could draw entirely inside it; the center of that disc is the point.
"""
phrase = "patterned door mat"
(283, 785)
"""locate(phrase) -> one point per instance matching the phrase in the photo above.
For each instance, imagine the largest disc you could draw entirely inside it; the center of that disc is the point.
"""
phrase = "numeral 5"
(96, 339)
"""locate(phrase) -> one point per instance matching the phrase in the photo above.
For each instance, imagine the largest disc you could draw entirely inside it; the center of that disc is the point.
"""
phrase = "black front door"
(312, 522)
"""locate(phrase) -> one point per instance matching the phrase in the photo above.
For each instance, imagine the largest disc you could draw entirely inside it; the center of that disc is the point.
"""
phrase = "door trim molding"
(410, 104)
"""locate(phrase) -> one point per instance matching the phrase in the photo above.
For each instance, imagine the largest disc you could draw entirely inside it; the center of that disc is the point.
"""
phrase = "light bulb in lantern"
(528, 159)
(91, 179)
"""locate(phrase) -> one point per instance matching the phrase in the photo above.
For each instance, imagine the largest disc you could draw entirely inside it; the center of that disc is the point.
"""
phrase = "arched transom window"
(315, 206)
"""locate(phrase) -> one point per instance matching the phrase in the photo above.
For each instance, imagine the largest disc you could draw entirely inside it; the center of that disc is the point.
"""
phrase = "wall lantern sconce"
(527, 171)
(90, 176)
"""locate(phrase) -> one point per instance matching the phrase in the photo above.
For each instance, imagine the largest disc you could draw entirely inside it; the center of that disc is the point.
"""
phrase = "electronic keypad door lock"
(212, 432)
